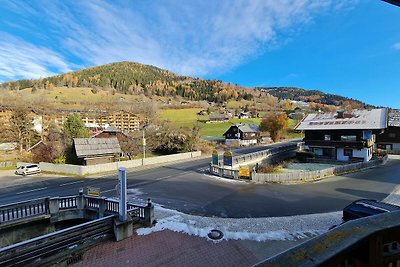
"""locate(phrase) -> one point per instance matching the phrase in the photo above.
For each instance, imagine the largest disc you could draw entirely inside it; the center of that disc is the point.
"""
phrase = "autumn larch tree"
(275, 124)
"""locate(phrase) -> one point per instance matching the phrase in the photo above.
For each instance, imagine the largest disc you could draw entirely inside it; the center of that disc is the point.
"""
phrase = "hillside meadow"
(188, 118)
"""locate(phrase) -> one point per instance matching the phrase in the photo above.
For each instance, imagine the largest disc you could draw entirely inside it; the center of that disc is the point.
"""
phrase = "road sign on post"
(92, 191)
(228, 158)
(122, 194)
(215, 158)
(244, 171)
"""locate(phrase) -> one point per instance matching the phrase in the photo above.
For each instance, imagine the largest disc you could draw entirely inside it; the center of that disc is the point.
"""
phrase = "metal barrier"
(30, 251)
(39, 250)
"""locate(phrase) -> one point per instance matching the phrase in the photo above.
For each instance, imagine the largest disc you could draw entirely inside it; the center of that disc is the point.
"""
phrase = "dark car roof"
(375, 205)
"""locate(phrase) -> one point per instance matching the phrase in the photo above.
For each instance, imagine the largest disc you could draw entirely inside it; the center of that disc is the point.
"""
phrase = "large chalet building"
(343, 136)
(390, 139)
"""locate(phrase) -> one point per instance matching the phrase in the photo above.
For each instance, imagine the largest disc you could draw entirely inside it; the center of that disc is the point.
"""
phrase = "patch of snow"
(226, 180)
(258, 229)
(394, 197)
(134, 192)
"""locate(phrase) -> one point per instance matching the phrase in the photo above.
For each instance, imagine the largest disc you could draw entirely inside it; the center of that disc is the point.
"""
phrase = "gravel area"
(303, 167)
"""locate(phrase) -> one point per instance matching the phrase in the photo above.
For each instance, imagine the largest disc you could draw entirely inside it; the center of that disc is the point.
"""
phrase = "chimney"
(340, 114)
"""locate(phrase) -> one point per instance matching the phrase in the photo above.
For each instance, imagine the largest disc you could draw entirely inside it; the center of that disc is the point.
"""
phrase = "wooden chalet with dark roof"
(93, 151)
(243, 134)
(343, 136)
(390, 138)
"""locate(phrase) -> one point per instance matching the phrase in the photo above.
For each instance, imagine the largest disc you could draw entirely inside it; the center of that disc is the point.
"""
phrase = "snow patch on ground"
(226, 180)
(394, 197)
(257, 229)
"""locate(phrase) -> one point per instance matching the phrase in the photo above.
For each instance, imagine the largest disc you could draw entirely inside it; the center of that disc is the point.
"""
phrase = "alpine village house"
(243, 134)
(343, 136)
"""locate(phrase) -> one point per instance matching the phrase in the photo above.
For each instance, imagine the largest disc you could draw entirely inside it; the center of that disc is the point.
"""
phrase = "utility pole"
(143, 144)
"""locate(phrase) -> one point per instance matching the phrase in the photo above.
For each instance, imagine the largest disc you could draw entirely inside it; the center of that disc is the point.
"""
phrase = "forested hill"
(135, 78)
(316, 96)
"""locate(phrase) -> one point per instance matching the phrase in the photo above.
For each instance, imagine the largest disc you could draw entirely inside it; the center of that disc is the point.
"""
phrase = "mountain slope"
(136, 79)
(316, 96)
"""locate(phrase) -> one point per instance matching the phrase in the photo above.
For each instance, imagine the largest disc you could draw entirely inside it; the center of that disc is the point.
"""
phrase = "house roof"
(394, 118)
(112, 129)
(218, 116)
(94, 147)
(354, 120)
(245, 128)
(248, 128)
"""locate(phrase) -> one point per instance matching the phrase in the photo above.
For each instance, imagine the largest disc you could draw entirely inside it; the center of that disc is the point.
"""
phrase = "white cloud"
(396, 46)
(19, 59)
(187, 37)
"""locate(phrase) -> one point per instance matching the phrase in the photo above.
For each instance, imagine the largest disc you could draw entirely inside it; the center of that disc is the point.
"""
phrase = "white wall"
(242, 142)
(113, 166)
(362, 153)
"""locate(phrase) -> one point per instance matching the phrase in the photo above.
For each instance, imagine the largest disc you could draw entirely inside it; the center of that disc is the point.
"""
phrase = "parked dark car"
(366, 207)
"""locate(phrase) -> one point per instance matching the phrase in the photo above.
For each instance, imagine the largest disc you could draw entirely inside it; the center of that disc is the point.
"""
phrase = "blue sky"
(346, 47)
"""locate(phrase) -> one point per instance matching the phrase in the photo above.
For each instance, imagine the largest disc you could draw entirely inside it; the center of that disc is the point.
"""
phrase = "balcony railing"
(340, 143)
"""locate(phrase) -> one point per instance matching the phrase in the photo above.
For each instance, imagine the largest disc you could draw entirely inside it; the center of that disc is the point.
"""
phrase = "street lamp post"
(143, 144)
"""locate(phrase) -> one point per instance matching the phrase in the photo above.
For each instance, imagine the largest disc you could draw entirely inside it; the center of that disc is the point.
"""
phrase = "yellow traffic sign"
(244, 171)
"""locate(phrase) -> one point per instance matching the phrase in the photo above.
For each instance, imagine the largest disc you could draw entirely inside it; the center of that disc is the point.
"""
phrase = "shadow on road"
(362, 193)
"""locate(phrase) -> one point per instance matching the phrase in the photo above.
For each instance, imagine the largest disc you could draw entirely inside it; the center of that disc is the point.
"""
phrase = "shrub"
(60, 160)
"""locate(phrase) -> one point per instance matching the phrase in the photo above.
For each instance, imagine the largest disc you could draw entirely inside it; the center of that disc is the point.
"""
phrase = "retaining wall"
(314, 175)
(113, 166)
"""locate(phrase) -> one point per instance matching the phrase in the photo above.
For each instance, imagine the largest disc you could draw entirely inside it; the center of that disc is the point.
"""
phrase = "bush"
(60, 160)
(267, 169)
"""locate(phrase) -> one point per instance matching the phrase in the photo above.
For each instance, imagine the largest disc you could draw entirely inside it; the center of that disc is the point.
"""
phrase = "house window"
(327, 137)
(348, 152)
(349, 138)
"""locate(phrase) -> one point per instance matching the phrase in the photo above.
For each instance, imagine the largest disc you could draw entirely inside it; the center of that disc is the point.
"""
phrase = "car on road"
(366, 207)
(28, 169)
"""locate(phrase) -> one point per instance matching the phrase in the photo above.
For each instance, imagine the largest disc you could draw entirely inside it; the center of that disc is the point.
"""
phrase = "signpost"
(92, 191)
(244, 171)
(228, 158)
(215, 157)
(122, 194)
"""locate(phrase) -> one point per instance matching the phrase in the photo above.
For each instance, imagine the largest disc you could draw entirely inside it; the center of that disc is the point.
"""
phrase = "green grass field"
(188, 118)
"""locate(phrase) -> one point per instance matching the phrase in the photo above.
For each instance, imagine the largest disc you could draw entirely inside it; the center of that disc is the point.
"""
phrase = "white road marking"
(33, 190)
(75, 182)
(105, 191)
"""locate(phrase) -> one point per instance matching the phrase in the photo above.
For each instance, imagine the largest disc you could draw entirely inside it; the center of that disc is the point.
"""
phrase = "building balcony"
(335, 143)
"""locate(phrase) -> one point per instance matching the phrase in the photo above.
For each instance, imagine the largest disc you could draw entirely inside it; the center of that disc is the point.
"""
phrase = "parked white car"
(28, 169)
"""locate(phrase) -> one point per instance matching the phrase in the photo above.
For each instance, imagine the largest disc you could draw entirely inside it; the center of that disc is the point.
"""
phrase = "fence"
(25, 209)
(314, 175)
(5, 164)
(52, 206)
(30, 252)
(106, 167)
(228, 172)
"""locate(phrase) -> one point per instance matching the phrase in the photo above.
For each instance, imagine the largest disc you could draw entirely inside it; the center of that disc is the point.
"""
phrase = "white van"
(28, 169)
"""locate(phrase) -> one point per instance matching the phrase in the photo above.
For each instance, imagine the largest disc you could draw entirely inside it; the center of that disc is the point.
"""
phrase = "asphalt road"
(188, 187)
